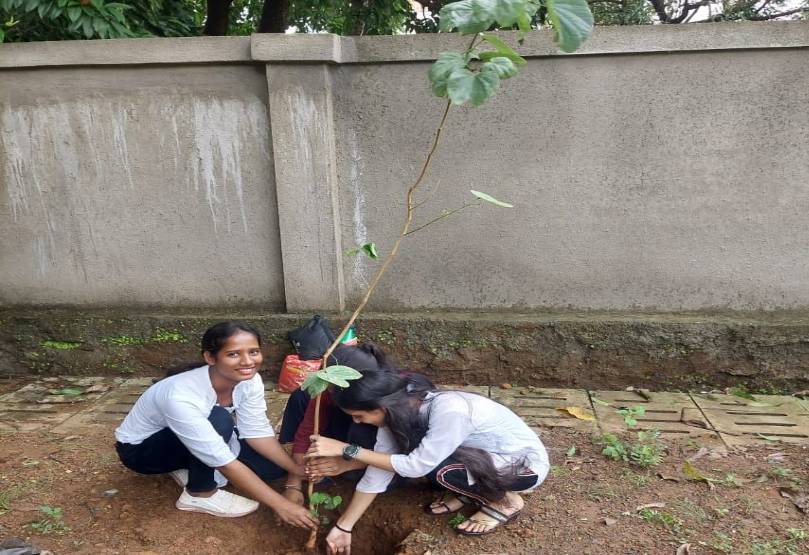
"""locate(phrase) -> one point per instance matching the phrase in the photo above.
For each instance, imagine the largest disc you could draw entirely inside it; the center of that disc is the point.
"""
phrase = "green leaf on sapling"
(314, 385)
(473, 87)
(491, 199)
(338, 375)
(501, 49)
(468, 16)
(572, 22)
(507, 13)
(504, 67)
(442, 68)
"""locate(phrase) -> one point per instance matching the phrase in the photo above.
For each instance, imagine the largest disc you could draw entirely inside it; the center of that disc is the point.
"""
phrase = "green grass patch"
(61, 345)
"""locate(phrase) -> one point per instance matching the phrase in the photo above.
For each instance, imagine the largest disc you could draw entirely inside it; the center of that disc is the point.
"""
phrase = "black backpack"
(312, 339)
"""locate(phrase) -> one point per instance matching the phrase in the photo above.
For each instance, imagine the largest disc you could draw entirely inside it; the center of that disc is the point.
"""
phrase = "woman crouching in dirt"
(184, 425)
(472, 446)
(299, 416)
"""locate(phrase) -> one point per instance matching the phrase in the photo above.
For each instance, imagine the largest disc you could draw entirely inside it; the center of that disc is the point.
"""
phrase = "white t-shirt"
(183, 402)
(459, 419)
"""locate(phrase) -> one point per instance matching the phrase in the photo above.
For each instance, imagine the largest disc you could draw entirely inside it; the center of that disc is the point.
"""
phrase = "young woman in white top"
(472, 446)
(207, 426)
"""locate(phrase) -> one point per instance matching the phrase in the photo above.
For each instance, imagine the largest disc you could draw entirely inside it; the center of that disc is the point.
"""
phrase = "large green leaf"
(442, 68)
(446, 63)
(489, 198)
(338, 375)
(504, 67)
(502, 49)
(314, 385)
(572, 22)
(468, 16)
(509, 12)
(473, 87)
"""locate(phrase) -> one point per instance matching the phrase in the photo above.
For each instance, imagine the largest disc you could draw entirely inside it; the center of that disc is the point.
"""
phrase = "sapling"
(327, 502)
(468, 77)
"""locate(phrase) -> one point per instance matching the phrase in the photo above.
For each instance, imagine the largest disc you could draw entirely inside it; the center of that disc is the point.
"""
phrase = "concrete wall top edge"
(327, 48)
(151, 51)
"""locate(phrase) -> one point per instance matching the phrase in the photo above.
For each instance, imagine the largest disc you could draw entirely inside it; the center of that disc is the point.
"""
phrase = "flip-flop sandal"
(430, 510)
(502, 520)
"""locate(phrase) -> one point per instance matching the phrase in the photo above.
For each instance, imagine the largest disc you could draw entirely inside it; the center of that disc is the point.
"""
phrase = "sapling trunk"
(310, 544)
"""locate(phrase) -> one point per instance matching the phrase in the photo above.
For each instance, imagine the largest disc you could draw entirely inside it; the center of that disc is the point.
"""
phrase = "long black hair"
(214, 339)
(365, 357)
(400, 397)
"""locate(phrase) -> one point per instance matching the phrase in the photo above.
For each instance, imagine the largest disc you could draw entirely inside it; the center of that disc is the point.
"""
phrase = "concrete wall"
(660, 168)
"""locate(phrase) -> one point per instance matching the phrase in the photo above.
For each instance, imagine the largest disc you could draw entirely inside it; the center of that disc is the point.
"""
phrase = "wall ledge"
(333, 49)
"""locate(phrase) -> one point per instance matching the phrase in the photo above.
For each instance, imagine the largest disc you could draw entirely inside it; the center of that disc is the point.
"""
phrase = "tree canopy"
(33, 20)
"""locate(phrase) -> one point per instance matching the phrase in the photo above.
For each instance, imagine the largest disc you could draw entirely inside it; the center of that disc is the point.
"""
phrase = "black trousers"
(451, 474)
(163, 452)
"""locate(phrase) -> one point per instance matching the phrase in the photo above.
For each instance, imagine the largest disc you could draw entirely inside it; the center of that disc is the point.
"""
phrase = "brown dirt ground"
(565, 515)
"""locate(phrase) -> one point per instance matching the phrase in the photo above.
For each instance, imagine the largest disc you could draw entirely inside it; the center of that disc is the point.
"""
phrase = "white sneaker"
(181, 477)
(221, 503)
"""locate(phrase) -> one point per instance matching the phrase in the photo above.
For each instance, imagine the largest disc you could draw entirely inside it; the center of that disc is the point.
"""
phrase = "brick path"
(70, 405)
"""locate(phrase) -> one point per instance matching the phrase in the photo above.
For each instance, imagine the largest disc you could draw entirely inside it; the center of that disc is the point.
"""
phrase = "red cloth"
(307, 426)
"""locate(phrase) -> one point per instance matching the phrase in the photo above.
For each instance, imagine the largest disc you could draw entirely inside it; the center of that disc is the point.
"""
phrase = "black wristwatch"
(350, 452)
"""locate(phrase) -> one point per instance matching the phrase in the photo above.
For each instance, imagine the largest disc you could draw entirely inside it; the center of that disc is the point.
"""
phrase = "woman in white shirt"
(207, 426)
(472, 446)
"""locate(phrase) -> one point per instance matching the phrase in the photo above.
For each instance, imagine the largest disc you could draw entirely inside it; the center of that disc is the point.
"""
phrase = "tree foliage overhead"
(33, 20)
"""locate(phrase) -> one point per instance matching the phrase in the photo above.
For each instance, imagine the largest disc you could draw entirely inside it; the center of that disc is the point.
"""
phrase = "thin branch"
(442, 216)
(430, 195)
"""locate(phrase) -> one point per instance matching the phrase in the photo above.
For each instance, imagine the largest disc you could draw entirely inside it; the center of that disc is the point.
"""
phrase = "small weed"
(721, 512)
(731, 481)
(51, 522)
(779, 472)
(637, 480)
(721, 543)
(691, 510)
(166, 336)
(124, 340)
(788, 546)
(457, 520)
(797, 534)
(559, 471)
(646, 452)
(749, 506)
(599, 493)
(631, 414)
(668, 520)
(7, 496)
(571, 452)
